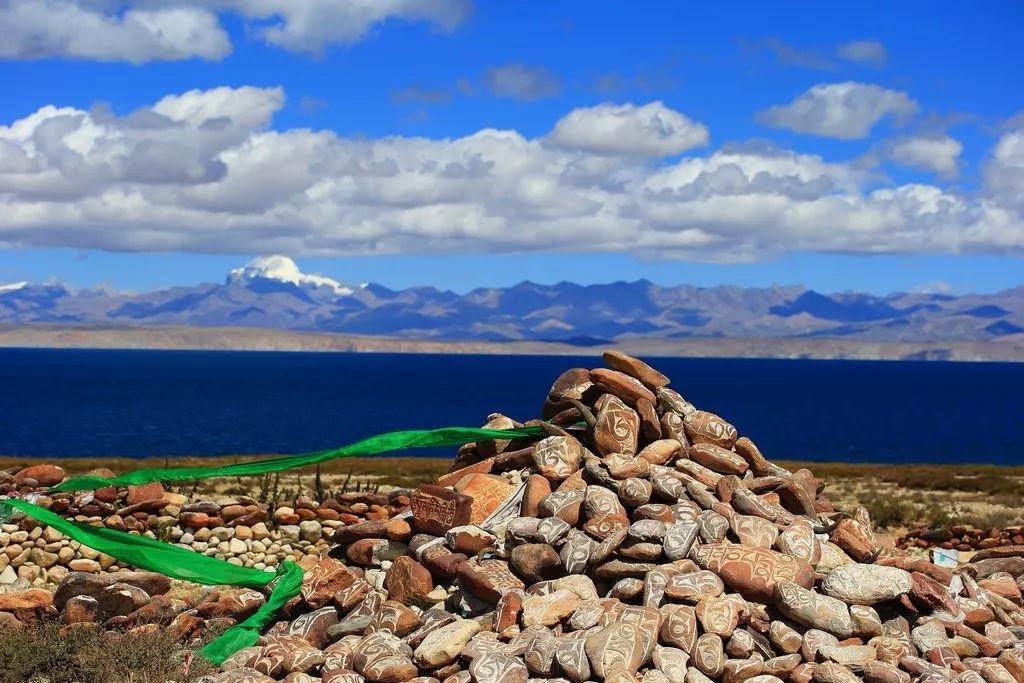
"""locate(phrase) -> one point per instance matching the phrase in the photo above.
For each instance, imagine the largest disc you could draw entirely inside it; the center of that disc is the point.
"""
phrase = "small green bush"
(87, 655)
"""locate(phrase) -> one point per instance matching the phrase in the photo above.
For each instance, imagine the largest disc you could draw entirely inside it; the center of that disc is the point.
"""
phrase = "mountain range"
(272, 292)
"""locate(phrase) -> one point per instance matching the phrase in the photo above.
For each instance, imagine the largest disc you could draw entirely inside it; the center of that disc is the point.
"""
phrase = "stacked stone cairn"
(640, 540)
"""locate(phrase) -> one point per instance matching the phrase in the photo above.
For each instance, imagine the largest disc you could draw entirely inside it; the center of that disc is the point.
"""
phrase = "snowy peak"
(283, 269)
(13, 287)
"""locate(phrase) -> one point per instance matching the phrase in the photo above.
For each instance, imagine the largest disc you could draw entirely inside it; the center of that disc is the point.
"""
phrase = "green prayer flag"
(382, 443)
(180, 563)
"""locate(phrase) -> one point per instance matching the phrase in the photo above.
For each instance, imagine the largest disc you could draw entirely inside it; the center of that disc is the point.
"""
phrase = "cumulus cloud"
(521, 82)
(37, 29)
(863, 51)
(204, 171)
(140, 31)
(847, 111)
(932, 153)
(651, 130)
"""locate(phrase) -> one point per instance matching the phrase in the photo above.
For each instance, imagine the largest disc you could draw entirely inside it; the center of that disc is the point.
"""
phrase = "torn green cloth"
(179, 563)
(382, 443)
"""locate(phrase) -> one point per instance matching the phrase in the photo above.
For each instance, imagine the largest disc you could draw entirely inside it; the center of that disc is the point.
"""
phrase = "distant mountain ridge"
(272, 292)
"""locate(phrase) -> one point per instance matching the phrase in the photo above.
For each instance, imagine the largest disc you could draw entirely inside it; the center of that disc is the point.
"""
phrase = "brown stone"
(718, 615)
(635, 368)
(753, 572)
(488, 491)
(812, 609)
(557, 457)
(42, 475)
(618, 427)
(718, 459)
(29, 599)
(144, 493)
(436, 509)
(537, 487)
(548, 610)
(408, 581)
(617, 646)
(854, 539)
(373, 551)
(621, 385)
(497, 667)
(323, 580)
(679, 627)
(704, 427)
(488, 579)
(709, 655)
(536, 562)
(694, 586)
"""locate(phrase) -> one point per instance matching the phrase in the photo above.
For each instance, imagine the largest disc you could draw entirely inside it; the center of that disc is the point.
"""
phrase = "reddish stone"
(487, 492)
(619, 384)
(436, 509)
(452, 478)
(489, 579)
(323, 580)
(751, 571)
(42, 475)
(407, 581)
(636, 368)
(537, 487)
(144, 493)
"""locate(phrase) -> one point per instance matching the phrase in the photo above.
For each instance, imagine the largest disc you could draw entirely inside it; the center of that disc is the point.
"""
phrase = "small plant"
(318, 485)
(88, 655)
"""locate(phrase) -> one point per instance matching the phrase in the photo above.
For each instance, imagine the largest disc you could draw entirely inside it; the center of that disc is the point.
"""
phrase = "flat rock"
(618, 646)
(753, 572)
(866, 584)
(445, 644)
(813, 609)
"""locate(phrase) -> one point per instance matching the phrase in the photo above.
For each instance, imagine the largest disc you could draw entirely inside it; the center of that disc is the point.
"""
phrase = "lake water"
(63, 403)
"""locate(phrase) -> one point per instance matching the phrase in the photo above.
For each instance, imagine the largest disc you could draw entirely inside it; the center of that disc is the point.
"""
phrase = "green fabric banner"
(382, 443)
(180, 563)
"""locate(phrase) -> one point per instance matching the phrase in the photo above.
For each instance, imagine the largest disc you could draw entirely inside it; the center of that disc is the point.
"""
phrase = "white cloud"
(204, 172)
(652, 130)
(140, 31)
(312, 25)
(37, 29)
(1004, 174)
(522, 82)
(847, 111)
(932, 153)
(863, 51)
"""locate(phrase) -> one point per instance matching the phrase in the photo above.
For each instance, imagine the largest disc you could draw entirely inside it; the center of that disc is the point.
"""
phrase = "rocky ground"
(641, 539)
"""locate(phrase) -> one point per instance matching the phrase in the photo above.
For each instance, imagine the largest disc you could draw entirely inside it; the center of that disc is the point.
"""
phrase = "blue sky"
(872, 146)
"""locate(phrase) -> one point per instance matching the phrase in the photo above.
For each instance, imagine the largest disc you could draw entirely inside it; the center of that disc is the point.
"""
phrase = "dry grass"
(87, 655)
(902, 496)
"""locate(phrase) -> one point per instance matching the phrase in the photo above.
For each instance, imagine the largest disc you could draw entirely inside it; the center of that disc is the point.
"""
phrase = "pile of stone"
(238, 529)
(640, 539)
(962, 537)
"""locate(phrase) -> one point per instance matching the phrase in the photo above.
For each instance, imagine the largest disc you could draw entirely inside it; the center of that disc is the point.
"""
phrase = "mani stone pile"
(645, 540)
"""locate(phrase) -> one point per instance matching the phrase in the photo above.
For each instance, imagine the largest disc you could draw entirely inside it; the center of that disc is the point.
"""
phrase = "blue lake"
(63, 403)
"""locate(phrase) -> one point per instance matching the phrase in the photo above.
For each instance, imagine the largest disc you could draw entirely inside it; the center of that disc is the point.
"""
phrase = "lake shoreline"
(184, 338)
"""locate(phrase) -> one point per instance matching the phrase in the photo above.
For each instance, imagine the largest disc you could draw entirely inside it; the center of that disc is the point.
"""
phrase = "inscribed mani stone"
(436, 509)
(753, 572)
(487, 492)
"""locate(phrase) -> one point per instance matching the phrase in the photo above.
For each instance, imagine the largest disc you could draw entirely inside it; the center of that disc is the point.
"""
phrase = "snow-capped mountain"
(282, 269)
(273, 292)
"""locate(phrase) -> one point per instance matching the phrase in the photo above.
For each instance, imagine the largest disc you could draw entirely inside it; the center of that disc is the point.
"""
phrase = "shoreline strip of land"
(181, 338)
